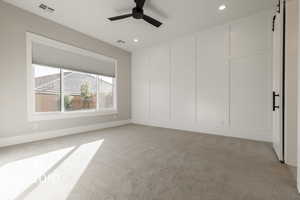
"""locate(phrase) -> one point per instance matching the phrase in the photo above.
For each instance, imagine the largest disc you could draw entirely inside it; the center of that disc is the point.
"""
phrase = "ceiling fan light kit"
(138, 13)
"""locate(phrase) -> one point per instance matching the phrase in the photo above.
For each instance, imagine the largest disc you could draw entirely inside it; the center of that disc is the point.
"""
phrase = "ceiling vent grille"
(121, 41)
(46, 8)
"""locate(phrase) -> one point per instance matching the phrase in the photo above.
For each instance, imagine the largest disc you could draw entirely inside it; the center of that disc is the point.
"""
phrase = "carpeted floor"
(144, 163)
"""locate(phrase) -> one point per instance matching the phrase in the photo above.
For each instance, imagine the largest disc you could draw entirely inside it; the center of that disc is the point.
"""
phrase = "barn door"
(278, 79)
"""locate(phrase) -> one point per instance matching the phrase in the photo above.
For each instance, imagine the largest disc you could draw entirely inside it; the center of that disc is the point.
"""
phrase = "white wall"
(217, 81)
(14, 24)
(291, 83)
(298, 103)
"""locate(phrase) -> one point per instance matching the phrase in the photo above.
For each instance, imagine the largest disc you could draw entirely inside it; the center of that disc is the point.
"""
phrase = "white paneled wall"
(212, 77)
(140, 85)
(250, 92)
(183, 81)
(217, 81)
(159, 83)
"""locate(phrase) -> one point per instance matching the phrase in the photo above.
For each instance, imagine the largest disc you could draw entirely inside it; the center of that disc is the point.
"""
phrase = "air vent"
(46, 8)
(43, 6)
(121, 41)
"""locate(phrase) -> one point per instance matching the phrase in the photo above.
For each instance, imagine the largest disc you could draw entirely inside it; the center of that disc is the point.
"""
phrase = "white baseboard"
(298, 180)
(58, 133)
(257, 135)
(292, 163)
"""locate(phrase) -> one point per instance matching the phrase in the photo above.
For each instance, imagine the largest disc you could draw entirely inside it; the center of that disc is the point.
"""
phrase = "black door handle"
(274, 101)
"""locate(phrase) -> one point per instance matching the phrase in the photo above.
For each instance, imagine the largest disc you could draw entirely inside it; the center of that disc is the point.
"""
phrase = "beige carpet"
(144, 163)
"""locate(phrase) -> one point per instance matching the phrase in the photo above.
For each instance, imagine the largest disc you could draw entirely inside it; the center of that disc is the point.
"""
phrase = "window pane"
(80, 91)
(106, 87)
(47, 89)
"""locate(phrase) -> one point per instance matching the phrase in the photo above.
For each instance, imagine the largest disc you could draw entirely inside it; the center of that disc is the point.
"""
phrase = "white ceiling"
(179, 17)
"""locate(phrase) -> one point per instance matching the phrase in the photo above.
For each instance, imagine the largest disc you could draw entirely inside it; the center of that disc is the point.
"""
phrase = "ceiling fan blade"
(140, 3)
(152, 21)
(119, 17)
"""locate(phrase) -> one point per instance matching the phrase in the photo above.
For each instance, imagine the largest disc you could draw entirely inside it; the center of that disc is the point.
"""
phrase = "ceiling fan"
(138, 13)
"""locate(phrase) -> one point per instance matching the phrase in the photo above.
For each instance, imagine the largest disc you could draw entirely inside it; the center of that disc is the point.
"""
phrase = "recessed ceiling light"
(136, 39)
(222, 7)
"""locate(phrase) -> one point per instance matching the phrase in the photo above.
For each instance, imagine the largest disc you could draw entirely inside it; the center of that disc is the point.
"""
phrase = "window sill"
(68, 115)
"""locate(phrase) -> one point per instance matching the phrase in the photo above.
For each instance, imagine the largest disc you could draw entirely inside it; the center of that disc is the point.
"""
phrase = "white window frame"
(37, 116)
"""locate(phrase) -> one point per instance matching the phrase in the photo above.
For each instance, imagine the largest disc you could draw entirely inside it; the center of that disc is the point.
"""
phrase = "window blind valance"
(56, 57)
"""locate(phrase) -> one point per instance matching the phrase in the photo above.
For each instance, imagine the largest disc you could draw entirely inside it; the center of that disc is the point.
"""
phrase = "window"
(65, 81)
(80, 91)
(106, 88)
(47, 89)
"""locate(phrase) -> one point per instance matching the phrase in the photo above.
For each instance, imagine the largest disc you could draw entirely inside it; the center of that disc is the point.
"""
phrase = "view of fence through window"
(47, 89)
(106, 88)
(78, 89)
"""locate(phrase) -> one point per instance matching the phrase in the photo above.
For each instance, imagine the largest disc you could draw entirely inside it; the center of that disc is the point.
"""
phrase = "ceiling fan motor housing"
(137, 13)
